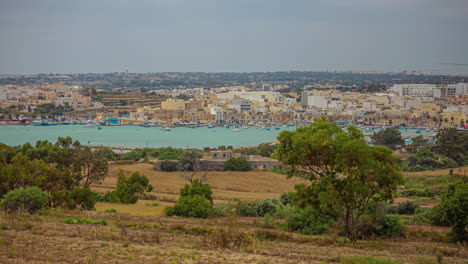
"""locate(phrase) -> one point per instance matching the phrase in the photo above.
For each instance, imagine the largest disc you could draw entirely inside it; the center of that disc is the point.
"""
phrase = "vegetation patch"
(84, 220)
(367, 260)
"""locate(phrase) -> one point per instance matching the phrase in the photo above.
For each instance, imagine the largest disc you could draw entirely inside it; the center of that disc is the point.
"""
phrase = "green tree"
(189, 161)
(416, 144)
(237, 164)
(89, 166)
(347, 173)
(453, 209)
(389, 137)
(31, 199)
(453, 144)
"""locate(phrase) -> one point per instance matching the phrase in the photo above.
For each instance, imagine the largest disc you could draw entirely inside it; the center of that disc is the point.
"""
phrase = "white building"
(309, 100)
(423, 90)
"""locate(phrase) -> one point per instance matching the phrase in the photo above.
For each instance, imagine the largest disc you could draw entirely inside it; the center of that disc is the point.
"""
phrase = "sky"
(71, 36)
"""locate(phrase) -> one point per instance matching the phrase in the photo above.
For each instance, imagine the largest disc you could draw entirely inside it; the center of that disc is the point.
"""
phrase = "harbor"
(164, 136)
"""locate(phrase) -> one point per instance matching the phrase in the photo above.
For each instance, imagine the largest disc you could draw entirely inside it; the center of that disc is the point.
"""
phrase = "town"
(427, 105)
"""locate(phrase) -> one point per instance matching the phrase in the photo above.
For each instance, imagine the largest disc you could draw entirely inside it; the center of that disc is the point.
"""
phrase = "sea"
(155, 137)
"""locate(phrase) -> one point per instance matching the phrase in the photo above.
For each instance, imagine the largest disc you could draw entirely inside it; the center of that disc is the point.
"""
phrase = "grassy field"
(140, 233)
(132, 239)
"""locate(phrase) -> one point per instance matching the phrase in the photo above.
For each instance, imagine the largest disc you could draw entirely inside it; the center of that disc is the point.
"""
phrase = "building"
(423, 90)
(215, 160)
(173, 104)
(308, 100)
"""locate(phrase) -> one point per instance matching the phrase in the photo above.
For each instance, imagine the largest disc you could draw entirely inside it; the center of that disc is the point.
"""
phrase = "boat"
(99, 127)
(277, 128)
(245, 127)
(418, 131)
(210, 126)
(236, 129)
(166, 129)
(267, 128)
(145, 124)
(40, 122)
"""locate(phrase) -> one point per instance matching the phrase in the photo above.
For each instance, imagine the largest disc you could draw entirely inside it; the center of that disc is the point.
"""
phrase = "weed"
(267, 221)
(111, 211)
(229, 238)
(152, 204)
(84, 220)
(137, 226)
(367, 260)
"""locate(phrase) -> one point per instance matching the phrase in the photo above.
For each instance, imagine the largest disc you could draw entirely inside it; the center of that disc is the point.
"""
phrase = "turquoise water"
(133, 136)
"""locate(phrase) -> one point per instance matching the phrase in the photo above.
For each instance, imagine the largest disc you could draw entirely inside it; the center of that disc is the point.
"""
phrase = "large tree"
(389, 137)
(453, 144)
(346, 172)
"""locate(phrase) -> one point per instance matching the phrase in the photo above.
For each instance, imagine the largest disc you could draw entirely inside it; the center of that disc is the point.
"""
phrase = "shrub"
(224, 209)
(267, 221)
(84, 220)
(83, 198)
(308, 221)
(423, 216)
(197, 188)
(426, 192)
(407, 207)
(258, 208)
(168, 165)
(31, 199)
(453, 209)
(128, 188)
(392, 226)
(377, 221)
(192, 206)
(237, 164)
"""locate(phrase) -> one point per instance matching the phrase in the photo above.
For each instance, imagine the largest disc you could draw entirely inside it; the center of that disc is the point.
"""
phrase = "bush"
(31, 199)
(83, 198)
(453, 209)
(195, 200)
(259, 208)
(308, 221)
(237, 164)
(197, 188)
(392, 226)
(168, 165)
(128, 188)
(224, 209)
(377, 221)
(84, 220)
(191, 206)
(426, 192)
(422, 216)
(407, 208)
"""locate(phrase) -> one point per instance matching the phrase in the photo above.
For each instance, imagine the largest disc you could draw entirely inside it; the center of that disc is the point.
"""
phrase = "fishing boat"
(166, 129)
(277, 128)
(236, 129)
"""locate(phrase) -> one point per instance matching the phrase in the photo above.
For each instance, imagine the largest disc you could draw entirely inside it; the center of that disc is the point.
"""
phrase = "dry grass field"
(226, 185)
(140, 233)
(131, 239)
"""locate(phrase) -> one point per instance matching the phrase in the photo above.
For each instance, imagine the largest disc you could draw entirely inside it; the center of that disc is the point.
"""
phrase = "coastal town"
(413, 104)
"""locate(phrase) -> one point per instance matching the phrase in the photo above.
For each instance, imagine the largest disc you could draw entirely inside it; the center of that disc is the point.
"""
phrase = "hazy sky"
(80, 36)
